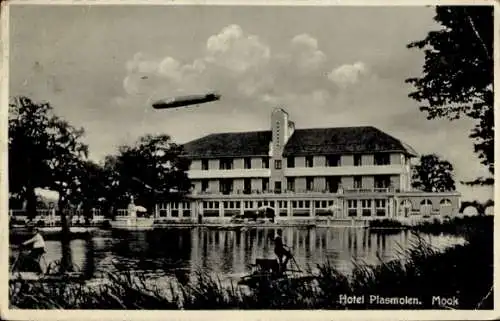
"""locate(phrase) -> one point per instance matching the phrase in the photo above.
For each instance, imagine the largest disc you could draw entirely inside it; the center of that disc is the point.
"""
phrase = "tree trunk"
(89, 266)
(66, 260)
(30, 201)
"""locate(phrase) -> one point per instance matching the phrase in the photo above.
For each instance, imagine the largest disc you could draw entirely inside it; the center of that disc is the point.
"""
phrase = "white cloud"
(239, 65)
(306, 53)
(348, 74)
(234, 50)
(141, 64)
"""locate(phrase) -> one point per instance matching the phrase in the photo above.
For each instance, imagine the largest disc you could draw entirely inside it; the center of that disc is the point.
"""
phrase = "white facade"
(362, 185)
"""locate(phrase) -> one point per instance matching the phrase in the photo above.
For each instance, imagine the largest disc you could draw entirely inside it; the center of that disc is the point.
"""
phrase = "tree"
(28, 149)
(45, 151)
(94, 185)
(151, 170)
(433, 175)
(458, 75)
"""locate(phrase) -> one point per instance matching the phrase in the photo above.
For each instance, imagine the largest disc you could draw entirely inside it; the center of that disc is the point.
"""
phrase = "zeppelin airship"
(184, 101)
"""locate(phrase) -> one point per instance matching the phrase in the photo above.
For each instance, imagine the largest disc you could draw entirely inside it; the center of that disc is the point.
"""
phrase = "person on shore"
(281, 252)
(37, 248)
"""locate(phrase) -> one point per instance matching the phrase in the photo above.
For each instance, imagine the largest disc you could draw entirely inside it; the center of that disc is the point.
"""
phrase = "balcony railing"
(372, 190)
(302, 191)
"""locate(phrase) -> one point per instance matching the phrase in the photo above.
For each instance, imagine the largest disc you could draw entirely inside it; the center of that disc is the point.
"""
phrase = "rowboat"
(266, 272)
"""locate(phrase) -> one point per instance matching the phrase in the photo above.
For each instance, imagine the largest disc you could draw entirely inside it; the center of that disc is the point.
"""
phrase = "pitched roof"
(230, 145)
(312, 141)
(342, 140)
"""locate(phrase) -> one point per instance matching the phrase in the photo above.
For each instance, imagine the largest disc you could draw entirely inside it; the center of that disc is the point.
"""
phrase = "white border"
(221, 314)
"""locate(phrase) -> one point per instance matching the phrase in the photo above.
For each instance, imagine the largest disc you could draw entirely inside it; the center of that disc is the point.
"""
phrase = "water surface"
(229, 252)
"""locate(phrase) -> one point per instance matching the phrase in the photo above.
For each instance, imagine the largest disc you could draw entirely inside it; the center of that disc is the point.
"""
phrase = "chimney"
(291, 129)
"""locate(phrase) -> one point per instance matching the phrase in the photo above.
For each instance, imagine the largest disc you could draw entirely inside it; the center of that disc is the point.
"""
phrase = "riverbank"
(464, 274)
(465, 226)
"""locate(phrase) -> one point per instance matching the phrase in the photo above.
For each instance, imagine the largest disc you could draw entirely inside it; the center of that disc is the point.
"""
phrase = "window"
(445, 207)
(352, 208)
(366, 207)
(277, 164)
(282, 204)
(426, 202)
(380, 207)
(265, 162)
(426, 207)
(382, 181)
(247, 186)
(247, 163)
(357, 160)
(226, 186)
(187, 209)
(405, 208)
(382, 159)
(174, 209)
(309, 161)
(226, 163)
(277, 134)
(445, 202)
(204, 185)
(290, 184)
(309, 183)
(333, 160)
(290, 162)
(204, 164)
(265, 184)
(357, 182)
(277, 187)
(332, 184)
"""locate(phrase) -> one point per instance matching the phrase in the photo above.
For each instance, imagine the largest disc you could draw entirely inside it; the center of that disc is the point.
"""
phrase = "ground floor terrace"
(362, 205)
(359, 205)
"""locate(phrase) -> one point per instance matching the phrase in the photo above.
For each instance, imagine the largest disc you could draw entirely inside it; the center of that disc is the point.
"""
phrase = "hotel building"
(304, 174)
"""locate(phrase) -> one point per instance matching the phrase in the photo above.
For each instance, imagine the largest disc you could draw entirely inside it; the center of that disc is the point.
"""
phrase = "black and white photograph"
(245, 157)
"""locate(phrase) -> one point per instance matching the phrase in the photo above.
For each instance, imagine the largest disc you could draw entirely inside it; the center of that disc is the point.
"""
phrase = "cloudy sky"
(102, 66)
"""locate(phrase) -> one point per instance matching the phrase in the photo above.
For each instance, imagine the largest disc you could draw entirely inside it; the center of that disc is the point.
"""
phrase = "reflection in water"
(231, 251)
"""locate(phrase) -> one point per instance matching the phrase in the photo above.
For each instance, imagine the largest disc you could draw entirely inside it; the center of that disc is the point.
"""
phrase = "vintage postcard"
(272, 160)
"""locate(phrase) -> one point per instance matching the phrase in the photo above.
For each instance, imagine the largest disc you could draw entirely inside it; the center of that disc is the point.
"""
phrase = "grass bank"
(422, 273)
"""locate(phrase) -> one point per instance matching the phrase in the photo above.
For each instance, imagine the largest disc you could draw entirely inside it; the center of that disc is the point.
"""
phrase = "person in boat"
(281, 252)
(37, 244)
